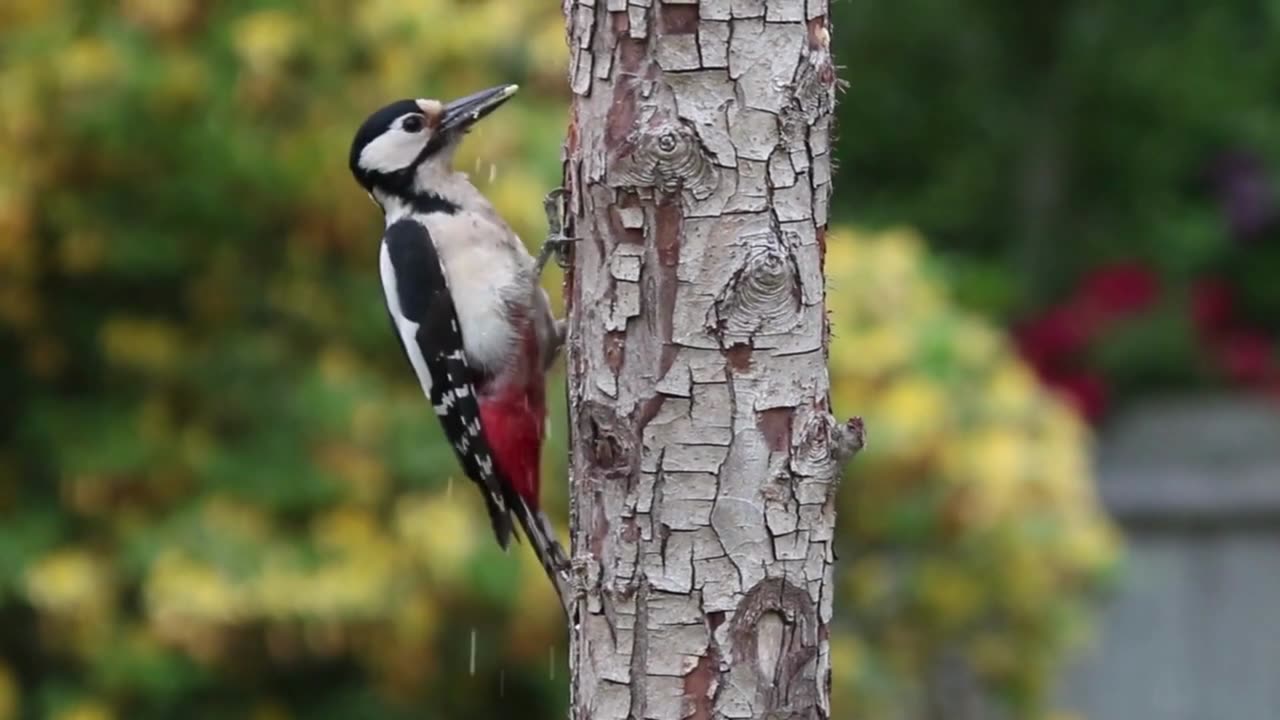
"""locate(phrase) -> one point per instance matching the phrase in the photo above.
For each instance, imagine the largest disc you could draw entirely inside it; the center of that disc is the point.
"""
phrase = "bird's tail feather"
(545, 544)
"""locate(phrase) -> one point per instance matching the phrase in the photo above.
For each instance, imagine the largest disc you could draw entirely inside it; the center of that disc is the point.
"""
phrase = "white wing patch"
(407, 328)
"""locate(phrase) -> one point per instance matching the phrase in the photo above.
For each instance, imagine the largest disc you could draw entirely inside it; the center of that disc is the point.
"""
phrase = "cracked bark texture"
(705, 458)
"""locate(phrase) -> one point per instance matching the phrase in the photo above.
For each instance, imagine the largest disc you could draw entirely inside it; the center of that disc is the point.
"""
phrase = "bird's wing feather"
(426, 323)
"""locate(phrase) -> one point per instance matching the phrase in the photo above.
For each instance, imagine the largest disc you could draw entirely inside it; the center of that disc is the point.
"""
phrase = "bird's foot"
(557, 246)
(557, 242)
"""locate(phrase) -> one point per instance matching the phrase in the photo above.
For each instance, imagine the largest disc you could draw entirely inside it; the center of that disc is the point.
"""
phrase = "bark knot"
(774, 636)
(763, 296)
(824, 444)
(668, 157)
(607, 438)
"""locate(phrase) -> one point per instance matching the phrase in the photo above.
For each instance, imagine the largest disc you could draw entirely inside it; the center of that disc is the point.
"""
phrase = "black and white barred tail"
(545, 544)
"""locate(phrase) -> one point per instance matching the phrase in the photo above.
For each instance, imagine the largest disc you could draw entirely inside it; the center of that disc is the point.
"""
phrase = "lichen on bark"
(704, 455)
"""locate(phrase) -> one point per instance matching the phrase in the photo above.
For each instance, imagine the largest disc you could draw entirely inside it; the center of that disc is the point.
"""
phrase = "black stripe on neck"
(427, 203)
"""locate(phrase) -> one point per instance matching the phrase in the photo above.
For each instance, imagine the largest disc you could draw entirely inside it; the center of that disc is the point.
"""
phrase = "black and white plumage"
(463, 297)
(426, 326)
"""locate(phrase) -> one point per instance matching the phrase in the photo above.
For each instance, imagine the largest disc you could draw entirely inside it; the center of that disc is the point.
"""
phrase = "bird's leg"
(557, 243)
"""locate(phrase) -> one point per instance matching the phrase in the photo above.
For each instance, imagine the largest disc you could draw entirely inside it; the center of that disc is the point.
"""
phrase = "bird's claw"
(558, 246)
(557, 243)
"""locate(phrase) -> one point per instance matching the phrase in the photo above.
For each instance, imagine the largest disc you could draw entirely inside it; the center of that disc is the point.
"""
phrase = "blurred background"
(1052, 296)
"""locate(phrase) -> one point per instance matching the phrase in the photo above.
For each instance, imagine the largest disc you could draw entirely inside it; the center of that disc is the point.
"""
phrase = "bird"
(464, 301)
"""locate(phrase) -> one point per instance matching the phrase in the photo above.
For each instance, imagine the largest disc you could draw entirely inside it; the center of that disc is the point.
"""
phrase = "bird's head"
(398, 142)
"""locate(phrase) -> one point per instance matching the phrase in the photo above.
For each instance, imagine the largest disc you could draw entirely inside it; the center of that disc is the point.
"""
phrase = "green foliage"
(1052, 140)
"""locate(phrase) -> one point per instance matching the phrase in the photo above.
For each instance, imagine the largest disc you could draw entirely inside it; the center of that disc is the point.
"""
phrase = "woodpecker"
(464, 301)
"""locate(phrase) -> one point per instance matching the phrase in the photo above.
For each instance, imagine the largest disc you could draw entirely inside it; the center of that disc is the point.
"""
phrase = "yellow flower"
(549, 50)
(1064, 427)
(184, 80)
(872, 353)
(345, 528)
(399, 67)
(266, 39)
(1012, 391)
(140, 344)
(226, 517)
(417, 617)
(976, 344)
(280, 586)
(845, 251)
(999, 455)
(537, 597)
(847, 654)
(953, 593)
(899, 252)
(911, 412)
(438, 530)
(88, 64)
(1029, 580)
(21, 119)
(358, 586)
(179, 589)
(1091, 545)
(1061, 472)
(383, 20)
(500, 21)
(338, 365)
(69, 582)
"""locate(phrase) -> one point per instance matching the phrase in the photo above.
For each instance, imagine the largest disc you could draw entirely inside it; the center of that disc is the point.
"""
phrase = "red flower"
(1060, 332)
(1245, 356)
(1121, 289)
(1085, 391)
(1210, 306)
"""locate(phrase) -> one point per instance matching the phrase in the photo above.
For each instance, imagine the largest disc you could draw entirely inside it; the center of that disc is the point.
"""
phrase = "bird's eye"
(412, 124)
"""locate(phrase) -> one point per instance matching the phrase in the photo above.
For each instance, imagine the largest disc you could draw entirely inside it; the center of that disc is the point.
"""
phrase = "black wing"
(422, 292)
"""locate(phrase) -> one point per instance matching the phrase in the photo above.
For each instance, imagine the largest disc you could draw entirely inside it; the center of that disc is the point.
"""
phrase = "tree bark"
(705, 458)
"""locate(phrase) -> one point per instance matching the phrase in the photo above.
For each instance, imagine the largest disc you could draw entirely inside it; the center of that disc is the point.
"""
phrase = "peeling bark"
(705, 458)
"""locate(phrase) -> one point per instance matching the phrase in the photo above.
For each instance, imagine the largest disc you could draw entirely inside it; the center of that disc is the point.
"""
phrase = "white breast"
(486, 277)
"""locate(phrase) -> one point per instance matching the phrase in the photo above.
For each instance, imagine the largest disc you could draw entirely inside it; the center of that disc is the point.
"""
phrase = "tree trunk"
(705, 457)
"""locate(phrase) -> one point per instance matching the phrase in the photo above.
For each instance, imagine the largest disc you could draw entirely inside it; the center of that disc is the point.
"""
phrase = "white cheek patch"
(393, 150)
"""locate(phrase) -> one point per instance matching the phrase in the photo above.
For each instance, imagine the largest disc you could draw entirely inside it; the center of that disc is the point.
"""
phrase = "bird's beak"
(463, 112)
